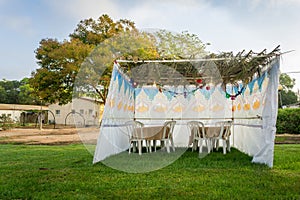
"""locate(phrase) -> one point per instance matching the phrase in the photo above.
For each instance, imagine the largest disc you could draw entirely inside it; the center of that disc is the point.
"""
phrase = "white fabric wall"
(119, 108)
(188, 103)
(256, 136)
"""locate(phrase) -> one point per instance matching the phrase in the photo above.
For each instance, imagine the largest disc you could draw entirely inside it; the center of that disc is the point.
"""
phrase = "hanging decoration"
(185, 91)
(233, 96)
(199, 81)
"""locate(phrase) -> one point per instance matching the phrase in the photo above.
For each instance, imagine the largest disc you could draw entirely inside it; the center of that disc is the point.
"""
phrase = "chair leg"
(162, 144)
(140, 147)
(150, 147)
(168, 146)
(212, 143)
(228, 145)
(172, 142)
(147, 149)
(208, 144)
(217, 144)
(195, 143)
(224, 146)
(134, 146)
(200, 146)
(129, 150)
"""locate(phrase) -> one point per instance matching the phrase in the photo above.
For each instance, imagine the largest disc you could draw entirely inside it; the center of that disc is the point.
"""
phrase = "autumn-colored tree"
(60, 61)
(91, 31)
(95, 72)
(83, 65)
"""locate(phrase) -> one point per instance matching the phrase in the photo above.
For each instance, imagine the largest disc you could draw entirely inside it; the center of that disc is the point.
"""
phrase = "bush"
(288, 121)
(6, 122)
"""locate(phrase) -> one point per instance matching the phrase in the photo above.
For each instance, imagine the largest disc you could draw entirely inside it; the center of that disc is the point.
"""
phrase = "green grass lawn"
(67, 172)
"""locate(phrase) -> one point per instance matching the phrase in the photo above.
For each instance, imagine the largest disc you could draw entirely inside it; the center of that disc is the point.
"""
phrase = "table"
(210, 132)
(151, 132)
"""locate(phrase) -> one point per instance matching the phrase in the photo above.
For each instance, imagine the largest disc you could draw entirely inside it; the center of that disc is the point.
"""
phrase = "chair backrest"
(132, 128)
(197, 129)
(225, 128)
(168, 129)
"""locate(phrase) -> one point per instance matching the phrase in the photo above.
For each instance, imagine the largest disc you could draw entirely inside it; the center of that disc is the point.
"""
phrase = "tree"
(3, 96)
(91, 31)
(9, 91)
(179, 45)
(26, 93)
(287, 96)
(59, 62)
(95, 72)
(16, 92)
(90, 53)
(286, 81)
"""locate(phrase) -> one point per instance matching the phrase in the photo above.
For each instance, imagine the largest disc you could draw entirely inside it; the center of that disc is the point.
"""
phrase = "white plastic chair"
(224, 135)
(134, 137)
(167, 136)
(198, 136)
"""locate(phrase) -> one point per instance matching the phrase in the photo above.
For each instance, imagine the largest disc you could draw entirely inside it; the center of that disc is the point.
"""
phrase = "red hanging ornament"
(208, 87)
(232, 97)
(199, 81)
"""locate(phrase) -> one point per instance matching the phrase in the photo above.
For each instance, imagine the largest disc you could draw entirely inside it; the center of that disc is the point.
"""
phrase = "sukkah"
(239, 88)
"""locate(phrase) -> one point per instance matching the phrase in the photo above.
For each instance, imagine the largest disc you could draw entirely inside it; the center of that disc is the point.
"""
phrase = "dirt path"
(49, 136)
(81, 135)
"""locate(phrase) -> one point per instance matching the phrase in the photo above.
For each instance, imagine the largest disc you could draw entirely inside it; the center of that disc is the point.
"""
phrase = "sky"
(228, 25)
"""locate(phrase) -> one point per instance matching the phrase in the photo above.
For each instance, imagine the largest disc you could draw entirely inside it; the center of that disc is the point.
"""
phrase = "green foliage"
(17, 92)
(287, 97)
(96, 69)
(59, 62)
(179, 45)
(286, 81)
(288, 121)
(9, 91)
(93, 32)
(6, 122)
(37, 172)
(92, 48)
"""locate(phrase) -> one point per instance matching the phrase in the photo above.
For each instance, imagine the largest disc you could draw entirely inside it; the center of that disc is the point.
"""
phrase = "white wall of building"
(13, 114)
(86, 112)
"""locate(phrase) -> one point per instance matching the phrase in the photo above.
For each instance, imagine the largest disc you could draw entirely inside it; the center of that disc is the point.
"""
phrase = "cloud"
(20, 24)
(274, 3)
(78, 9)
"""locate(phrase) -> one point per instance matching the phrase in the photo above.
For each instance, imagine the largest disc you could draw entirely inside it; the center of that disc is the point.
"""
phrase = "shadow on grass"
(183, 158)
(135, 163)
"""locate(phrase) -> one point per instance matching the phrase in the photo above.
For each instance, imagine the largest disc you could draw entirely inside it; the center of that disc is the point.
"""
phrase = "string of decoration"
(233, 96)
(185, 91)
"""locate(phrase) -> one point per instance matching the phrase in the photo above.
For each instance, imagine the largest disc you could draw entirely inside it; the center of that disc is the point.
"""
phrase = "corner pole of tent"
(232, 118)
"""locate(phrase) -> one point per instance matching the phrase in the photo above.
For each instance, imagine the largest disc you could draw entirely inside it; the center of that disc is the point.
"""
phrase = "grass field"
(67, 172)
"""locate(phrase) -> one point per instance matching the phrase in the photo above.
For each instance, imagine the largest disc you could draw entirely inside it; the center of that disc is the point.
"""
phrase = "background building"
(80, 112)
